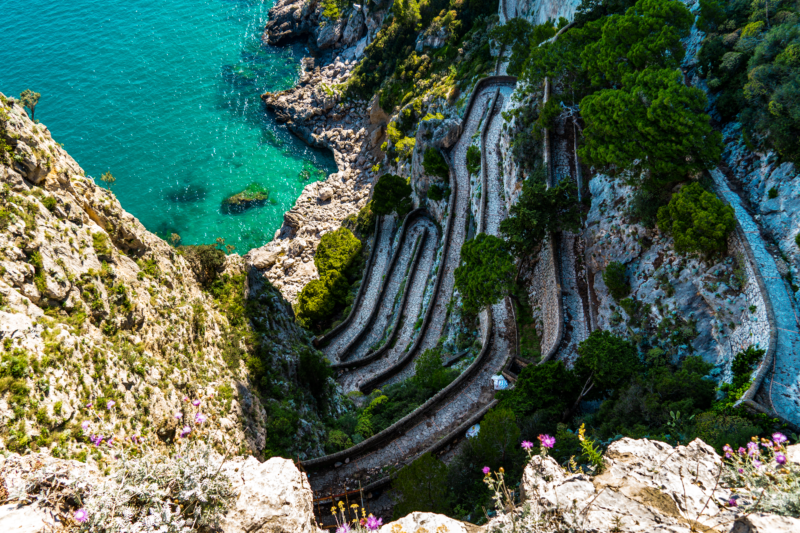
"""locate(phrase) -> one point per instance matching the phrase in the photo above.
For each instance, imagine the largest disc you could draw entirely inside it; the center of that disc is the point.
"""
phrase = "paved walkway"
(374, 282)
(783, 386)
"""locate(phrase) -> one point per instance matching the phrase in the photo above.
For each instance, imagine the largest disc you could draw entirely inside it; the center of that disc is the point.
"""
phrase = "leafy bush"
(205, 260)
(473, 159)
(101, 245)
(606, 361)
(422, 486)
(546, 390)
(438, 191)
(773, 193)
(486, 272)
(540, 211)
(698, 221)
(337, 251)
(615, 278)
(434, 164)
(392, 194)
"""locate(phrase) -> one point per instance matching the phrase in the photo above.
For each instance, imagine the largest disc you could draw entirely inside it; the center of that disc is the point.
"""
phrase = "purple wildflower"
(780, 458)
(741, 470)
(199, 418)
(733, 503)
(178, 415)
(185, 431)
(85, 426)
(196, 403)
(80, 516)
(756, 463)
(741, 451)
(89, 405)
(547, 441)
(527, 444)
(779, 438)
(97, 440)
(110, 404)
(344, 528)
(185, 398)
(728, 451)
(373, 524)
(486, 470)
(752, 449)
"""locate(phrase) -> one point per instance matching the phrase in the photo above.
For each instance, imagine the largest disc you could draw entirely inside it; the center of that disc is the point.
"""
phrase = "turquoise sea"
(165, 95)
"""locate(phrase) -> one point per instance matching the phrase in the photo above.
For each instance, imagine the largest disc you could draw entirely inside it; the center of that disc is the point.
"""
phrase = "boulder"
(274, 497)
(325, 194)
(430, 522)
(376, 114)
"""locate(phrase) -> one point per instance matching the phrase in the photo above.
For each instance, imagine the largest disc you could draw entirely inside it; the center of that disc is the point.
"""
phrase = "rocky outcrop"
(297, 19)
(117, 312)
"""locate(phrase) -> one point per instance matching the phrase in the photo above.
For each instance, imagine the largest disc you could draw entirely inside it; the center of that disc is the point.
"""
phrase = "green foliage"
(392, 194)
(49, 202)
(314, 373)
(590, 10)
(645, 203)
(108, 179)
(773, 193)
(332, 9)
(698, 221)
(438, 191)
(643, 406)
(337, 441)
(337, 251)
(616, 279)
(605, 362)
(422, 487)
(434, 164)
(546, 390)
(797, 240)
(742, 367)
(339, 261)
(102, 247)
(521, 36)
(429, 374)
(407, 13)
(29, 99)
(653, 124)
(364, 426)
(647, 36)
(473, 159)
(486, 272)
(365, 221)
(206, 261)
(540, 211)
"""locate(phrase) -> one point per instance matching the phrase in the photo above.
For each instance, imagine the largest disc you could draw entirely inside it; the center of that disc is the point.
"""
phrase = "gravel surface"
(416, 281)
(474, 392)
(390, 298)
(374, 282)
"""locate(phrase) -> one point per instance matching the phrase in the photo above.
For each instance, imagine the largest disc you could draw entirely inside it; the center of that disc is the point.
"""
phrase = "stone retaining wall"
(410, 217)
(400, 363)
(325, 339)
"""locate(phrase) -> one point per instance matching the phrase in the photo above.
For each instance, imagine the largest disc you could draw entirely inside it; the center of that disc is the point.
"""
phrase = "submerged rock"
(255, 195)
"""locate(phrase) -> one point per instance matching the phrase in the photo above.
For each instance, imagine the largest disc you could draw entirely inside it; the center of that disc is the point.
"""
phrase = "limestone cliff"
(96, 309)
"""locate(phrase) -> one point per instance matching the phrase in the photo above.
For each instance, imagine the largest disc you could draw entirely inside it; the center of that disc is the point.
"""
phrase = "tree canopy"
(434, 164)
(392, 194)
(486, 273)
(654, 124)
(29, 99)
(540, 210)
(697, 220)
(605, 361)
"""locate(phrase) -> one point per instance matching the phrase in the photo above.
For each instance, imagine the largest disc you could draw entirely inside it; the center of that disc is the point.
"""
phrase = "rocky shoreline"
(315, 111)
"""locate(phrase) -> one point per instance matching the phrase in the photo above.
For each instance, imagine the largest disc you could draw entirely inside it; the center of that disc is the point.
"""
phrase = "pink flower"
(741, 451)
(486, 470)
(756, 463)
(752, 449)
(185, 399)
(780, 458)
(85, 426)
(779, 438)
(547, 441)
(97, 440)
(80, 516)
(196, 403)
(741, 470)
(89, 405)
(178, 415)
(733, 503)
(199, 418)
(728, 451)
(527, 444)
(185, 431)
(344, 528)
(110, 404)
(373, 524)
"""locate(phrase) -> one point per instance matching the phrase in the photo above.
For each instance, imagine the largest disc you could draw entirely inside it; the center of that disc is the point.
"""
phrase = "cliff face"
(95, 309)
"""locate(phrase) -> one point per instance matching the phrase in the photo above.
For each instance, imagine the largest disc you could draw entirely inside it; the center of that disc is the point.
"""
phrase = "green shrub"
(473, 159)
(365, 221)
(422, 487)
(337, 441)
(392, 194)
(486, 272)
(205, 260)
(797, 240)
(698, 221)
(616, 279)
(102, 247)
(49, 202)
(315, 304)
(434, 164)
(337, 251)
(773, 193)
(438, 191)
(605, 362)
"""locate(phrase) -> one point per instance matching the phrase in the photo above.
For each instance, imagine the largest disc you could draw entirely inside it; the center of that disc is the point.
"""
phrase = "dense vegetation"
(392, 194)
(750, 59)
(339, 261)
(486, 272)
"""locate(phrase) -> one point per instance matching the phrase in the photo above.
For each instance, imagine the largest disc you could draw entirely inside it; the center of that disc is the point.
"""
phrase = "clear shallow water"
(165, 95)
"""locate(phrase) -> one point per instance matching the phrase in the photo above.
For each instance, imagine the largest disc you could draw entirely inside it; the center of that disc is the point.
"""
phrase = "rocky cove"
(188, 354)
